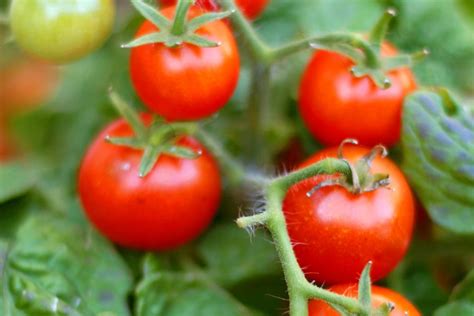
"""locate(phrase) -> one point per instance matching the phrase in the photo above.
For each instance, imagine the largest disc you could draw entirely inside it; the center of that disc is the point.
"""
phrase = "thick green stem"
(179, 21)
(259, 98)
(299, 289)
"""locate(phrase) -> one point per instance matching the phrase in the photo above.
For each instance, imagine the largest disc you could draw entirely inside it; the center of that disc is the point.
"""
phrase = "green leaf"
(181, 152)
(465, 289)
(456, 309)
(15, 180)
(176, 294)
(245, 257)
(55, 267)
(365, 287)
(438, 158)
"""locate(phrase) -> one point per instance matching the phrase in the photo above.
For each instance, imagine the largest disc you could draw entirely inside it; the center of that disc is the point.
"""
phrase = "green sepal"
(364, 287)
(151, 14)
(199, 21)
(378, 33)
(181, 152)
(200, 41)
(150, 156)
(340, 310)
(156, 37)
(377, 75)
(131, 142)
(383, 310)
(129, 114)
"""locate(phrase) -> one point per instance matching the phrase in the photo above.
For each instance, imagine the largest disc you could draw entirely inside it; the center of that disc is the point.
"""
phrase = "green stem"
(259, 98)
(299, 289)
(257, 47)
(179, 21)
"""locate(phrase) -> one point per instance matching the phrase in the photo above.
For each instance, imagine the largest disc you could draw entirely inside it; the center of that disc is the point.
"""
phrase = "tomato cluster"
(335, 232)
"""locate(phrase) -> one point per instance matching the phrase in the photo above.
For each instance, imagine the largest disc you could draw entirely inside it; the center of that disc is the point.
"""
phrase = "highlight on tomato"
(61, 31)
(380, 295)
(336, 105)
(186, 81)
(336, 232)
(167, 208)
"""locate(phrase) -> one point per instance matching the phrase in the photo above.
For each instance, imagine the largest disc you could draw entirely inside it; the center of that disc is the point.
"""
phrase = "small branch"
(253, 220)
(179, 20)
(326, 166)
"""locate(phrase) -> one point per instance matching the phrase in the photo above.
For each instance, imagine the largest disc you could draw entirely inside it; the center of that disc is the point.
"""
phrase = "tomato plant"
(251, 8)
(186, 82)
(61, 31)
(402, 306)
(172, 205)
(334, 231)
(150, 216)
(336, 105)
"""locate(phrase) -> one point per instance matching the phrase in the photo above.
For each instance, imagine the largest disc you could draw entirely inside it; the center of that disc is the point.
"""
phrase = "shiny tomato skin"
(186, 82)
(335, 233)
(61, 30)
(251, 8)
(169, 207)
(380, 295)
(335, 105)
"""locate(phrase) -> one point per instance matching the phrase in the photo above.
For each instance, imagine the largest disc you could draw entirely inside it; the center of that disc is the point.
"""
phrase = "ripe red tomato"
(172, 205)
(380, 295)
(335, 105)
(335, 233)
(186, 82)
(251, 8)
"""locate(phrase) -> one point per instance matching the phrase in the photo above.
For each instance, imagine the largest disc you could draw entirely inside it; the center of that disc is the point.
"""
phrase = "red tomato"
(186, 82)
(251, 8)
(380, 295)
(335, 232)
(26, 82)
(172, 205)
(335, 105)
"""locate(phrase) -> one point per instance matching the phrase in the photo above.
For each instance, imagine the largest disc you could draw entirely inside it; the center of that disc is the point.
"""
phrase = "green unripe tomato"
(61, 30)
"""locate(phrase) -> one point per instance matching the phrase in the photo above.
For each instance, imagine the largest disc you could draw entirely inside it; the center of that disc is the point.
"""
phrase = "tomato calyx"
(178, 31)
(371, 63)
(360, 179)
(158, 138)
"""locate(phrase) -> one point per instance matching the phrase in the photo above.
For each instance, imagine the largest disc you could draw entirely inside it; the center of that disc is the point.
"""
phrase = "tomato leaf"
(246, 256)
(15, 180)
(438, 158)
(176, 294)
(365, 296)
(462, 299)
(57, 268)
(465, 289)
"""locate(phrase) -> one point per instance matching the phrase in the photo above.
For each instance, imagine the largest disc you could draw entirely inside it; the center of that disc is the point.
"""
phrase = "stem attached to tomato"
(179, 22)
(299, 289)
